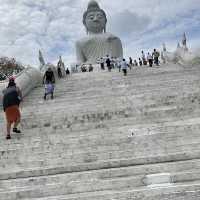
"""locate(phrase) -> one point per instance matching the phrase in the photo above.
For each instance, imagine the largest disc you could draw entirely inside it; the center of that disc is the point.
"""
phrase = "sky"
(53, 26)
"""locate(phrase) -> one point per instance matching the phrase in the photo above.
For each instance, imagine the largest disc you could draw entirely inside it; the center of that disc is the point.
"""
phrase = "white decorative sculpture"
(164, 47)
(98, 43)
(62, 66)
(41, 59)
(184, 42)
(44, 66)
(182, 54)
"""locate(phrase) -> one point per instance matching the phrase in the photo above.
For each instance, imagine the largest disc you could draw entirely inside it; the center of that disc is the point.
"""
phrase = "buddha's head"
(94, 18)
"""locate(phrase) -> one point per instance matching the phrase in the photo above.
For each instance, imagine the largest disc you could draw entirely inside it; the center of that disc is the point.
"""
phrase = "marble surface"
(103, 134)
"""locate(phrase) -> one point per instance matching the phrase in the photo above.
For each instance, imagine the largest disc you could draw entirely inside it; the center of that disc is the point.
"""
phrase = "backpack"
(157, 54)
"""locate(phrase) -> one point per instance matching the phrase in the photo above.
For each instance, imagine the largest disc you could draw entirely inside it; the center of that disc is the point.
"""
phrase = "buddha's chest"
(95, 43)
(97, 47)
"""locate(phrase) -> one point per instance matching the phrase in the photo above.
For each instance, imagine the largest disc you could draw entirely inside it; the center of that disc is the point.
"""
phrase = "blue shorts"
(49, 88)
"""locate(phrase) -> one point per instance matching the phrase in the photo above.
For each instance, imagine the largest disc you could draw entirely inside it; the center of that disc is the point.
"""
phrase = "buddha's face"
(95, 22)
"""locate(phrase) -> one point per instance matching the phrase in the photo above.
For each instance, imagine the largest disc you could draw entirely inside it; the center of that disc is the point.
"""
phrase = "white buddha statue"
(98, 43)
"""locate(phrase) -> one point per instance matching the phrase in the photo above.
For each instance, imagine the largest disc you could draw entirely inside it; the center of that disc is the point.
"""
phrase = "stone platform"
(108, 137)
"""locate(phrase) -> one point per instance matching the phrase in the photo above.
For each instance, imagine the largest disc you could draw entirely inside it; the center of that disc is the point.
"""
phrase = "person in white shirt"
(150, 59)
(118, 62)
(156, 55)
(102, 63)
(144, 58)
(124, 66)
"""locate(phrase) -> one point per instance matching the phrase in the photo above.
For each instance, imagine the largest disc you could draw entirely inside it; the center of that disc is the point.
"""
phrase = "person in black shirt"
(49, 80)
(12, 97)
(90, 68)
(59, 72)
(130, 62)
(49, 76)
(108, 63)
(67, 71)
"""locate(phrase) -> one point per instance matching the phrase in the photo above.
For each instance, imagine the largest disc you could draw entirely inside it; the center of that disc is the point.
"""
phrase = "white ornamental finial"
(41, 59)
(184, 40)
(164, 47)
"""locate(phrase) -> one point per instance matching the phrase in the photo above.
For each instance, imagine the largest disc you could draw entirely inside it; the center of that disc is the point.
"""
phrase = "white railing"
(27, 79)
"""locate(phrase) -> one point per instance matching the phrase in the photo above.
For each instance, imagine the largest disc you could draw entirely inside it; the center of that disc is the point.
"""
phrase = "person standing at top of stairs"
(124, 66)
(144, 58)
(108, 62)
(49, 81)
(150, 59)
(156, 55)
(67, 71)
(130, 63)
(140, 62)
(102, 63)
(59, 72)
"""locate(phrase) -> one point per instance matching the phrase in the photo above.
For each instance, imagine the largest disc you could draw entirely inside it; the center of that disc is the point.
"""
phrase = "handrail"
(16, 75)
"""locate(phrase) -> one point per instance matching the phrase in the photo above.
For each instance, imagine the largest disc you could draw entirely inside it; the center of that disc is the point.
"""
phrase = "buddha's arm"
(119, 49)
(79, 54)
(116, 46)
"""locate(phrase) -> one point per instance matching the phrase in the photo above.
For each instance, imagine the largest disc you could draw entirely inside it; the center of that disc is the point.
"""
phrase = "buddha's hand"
(111, 38)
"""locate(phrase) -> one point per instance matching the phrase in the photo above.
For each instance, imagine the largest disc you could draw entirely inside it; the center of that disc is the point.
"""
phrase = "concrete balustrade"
(26, 80)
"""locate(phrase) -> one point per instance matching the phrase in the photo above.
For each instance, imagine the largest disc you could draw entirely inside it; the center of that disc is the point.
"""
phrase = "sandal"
(16, 130)
(8, 137)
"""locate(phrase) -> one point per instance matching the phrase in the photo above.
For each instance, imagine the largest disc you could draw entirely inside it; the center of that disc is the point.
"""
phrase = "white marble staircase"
(103, 135)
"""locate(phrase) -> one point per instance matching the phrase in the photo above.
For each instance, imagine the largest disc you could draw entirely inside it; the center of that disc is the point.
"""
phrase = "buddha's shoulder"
(110, 36)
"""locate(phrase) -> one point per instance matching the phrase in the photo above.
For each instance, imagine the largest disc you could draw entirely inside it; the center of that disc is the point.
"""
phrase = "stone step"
(34, 137)
(165, 191)
(56, 144)
(100, 105)
(83, 109)
(187, 169)
(132, 100)
(142, 73)
(70, 186)
(108, 119)
(120, 137)
(104, 92)
(150, 98)
(90, 158)
(63, 166)
(76, 82)
(106, 83)
(184, 191)
(77, 156)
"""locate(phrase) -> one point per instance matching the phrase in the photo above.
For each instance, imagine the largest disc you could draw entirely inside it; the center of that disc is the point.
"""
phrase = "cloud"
(126, 23)
(54, 26)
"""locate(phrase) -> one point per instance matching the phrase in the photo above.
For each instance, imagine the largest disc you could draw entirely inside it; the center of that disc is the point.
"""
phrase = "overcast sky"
(54, 25)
